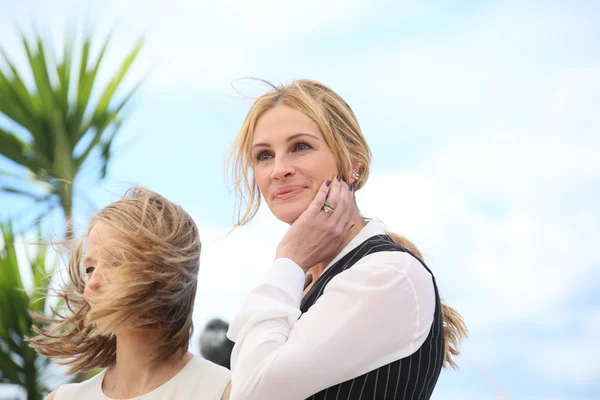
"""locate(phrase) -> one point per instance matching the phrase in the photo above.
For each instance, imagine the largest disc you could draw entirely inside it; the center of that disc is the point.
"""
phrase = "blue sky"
(483, 121)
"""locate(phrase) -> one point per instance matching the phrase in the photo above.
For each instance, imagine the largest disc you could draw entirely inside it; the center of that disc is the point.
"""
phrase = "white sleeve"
(374, 313)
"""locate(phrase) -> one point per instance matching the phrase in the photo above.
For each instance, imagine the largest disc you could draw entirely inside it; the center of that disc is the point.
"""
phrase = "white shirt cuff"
(287, 276)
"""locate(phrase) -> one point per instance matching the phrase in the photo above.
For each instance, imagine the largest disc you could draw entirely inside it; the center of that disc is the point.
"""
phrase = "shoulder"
(209, 368)
(204, 373)
(393, 259)
(77, 390)
(199, 380)
(394, 271)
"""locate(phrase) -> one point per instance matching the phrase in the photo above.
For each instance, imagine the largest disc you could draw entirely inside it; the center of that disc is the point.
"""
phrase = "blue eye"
(89, 270)
(301, 146)
(263, 155)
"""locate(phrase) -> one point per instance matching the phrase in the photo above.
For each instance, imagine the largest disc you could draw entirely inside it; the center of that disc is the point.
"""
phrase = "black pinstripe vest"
(413, 377)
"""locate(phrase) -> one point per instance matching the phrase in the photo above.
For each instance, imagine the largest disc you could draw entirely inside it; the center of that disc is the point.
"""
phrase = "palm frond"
(19, 363)
(15, 149)
(59, 126)
(102, 117)
(87, 79)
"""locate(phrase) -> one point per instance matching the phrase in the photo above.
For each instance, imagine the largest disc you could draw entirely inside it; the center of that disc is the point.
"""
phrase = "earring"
(355, 175)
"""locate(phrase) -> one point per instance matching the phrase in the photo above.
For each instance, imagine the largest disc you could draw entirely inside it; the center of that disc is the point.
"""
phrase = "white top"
(377, 312)
(199, 379)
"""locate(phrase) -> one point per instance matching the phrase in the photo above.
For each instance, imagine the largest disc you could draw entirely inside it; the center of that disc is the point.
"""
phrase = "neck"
(134, 373)
(359, 223)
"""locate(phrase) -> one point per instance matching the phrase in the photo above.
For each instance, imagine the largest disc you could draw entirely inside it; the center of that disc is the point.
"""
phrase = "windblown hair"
(342, 133)
(152, 277)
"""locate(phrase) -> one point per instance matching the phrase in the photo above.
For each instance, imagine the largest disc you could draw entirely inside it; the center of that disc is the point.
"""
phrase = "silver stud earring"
(355, 175)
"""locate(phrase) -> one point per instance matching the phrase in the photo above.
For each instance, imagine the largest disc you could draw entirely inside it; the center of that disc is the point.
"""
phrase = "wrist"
(293, 258)
(287, 276)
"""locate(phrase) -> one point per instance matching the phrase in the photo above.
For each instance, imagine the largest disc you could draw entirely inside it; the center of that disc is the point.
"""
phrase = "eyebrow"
(89, 260)
(289, 139)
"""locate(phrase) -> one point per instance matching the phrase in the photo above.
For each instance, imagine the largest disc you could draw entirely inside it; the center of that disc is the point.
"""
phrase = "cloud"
(518, 258)
(571, 359)
(493, 69)
(203, 44)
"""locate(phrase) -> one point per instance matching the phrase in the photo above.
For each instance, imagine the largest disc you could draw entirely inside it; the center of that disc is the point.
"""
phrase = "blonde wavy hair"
(153, 278)
(342, 133)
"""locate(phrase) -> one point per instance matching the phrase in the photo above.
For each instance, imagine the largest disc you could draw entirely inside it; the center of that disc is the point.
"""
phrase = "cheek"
(261, 178)
(323, 169)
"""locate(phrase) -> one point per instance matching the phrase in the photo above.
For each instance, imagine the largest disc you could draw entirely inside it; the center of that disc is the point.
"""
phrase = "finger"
(350, 199)
(333, 197)
(334, 194)
(343, 207)
(316, 204)
(349, 225)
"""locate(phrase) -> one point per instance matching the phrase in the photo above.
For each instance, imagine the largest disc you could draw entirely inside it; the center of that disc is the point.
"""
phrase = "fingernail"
(328, 182)
(339, 178)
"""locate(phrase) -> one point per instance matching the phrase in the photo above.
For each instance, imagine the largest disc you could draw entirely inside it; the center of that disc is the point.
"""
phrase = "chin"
(288, 218)
(288, 214)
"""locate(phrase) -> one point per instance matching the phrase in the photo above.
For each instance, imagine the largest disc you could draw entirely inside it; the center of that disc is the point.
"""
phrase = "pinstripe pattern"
(410, 378)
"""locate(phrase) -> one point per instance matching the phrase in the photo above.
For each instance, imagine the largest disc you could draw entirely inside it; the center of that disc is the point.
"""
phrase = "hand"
(316, 235)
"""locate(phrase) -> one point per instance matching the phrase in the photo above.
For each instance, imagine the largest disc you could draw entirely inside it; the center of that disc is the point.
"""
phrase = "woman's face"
(291, 161)
(97, 257)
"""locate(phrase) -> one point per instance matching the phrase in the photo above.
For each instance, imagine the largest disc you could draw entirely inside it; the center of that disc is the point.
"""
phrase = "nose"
(93, 283)
(282, 168)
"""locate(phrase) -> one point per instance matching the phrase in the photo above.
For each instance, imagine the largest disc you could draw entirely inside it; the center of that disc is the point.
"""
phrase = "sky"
(482, 119)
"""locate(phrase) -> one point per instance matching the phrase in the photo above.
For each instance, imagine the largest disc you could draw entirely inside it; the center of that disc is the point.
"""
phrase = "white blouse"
(377, 312)
(199, 379)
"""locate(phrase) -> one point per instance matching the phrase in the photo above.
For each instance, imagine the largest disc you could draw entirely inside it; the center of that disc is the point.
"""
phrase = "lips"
(287, 192)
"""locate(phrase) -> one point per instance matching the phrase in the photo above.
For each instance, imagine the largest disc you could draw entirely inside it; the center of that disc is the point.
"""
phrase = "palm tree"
(52, 120)
(19, 363)
(53, 127)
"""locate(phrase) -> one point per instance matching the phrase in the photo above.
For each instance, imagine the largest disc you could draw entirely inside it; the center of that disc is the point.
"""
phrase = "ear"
(355, 173)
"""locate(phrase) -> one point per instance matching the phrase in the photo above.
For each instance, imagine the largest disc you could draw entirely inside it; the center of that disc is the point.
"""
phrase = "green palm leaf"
(54, 116)
(19, 363)
(15, 149)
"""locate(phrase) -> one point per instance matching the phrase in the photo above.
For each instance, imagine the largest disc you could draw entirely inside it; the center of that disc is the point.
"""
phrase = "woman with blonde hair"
(131, 300)
(347, 310)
